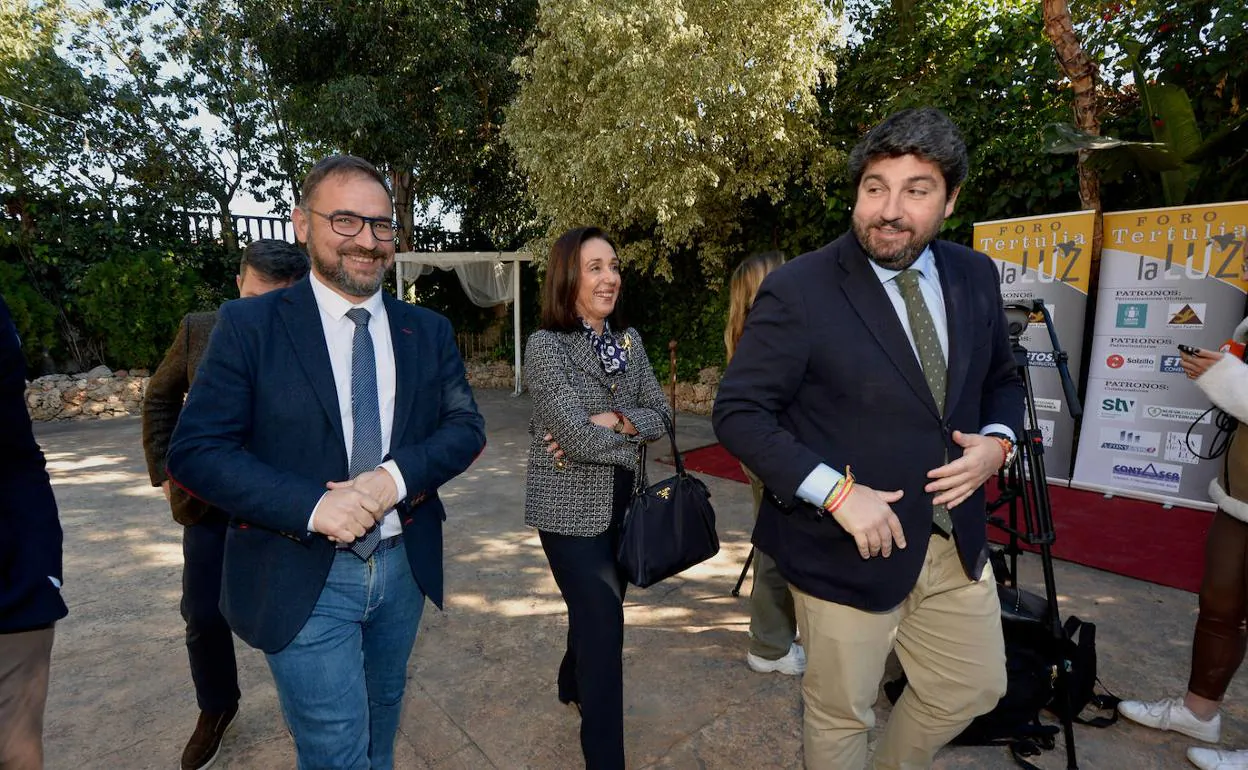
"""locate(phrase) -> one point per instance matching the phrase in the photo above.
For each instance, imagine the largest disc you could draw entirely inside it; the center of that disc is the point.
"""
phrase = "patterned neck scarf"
(612, 353)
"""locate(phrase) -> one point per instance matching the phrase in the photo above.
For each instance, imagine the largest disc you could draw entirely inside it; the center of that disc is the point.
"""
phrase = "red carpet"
(1135, 538)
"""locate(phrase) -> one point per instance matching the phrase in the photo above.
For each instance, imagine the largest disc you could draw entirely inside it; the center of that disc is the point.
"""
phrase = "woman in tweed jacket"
(595, 401)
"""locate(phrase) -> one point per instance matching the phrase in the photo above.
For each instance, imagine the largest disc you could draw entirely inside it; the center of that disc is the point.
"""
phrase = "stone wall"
(98, 394)
(102, 393)
(696, 397)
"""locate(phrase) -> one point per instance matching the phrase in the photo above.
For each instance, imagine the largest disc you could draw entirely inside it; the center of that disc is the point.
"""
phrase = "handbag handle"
(640, 479)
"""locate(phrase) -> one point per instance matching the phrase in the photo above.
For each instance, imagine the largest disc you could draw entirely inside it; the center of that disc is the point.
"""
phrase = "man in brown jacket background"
(266, 265)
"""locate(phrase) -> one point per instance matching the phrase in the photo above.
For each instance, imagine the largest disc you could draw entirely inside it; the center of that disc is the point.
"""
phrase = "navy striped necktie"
(365, 417)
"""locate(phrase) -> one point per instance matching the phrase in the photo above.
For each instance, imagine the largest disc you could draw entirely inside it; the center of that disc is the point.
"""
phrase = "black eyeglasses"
(349, 225)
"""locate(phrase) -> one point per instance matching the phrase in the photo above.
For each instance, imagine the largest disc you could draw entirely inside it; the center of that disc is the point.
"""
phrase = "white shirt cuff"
(997, 427)
(818, 484)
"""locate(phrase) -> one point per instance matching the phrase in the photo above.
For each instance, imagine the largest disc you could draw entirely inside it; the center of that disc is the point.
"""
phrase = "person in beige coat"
(1221, 636)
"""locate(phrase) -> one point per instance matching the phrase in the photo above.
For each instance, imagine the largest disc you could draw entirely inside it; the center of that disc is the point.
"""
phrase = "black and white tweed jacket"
(572, 495)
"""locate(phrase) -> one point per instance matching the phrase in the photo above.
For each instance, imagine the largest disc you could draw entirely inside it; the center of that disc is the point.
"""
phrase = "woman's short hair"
(563, 281)
(746, 279)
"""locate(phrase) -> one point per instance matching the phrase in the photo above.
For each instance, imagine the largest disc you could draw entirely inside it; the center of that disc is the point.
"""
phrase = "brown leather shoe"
(205, 743)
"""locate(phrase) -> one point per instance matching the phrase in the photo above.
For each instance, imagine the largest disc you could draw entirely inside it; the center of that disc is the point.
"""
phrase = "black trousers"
(209, 641)
(592, 671)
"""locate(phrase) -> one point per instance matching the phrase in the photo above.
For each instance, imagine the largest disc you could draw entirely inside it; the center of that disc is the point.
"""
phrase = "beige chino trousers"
(947, 634)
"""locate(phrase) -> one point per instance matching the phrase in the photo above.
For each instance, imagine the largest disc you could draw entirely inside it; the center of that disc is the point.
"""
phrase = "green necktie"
(931, 358)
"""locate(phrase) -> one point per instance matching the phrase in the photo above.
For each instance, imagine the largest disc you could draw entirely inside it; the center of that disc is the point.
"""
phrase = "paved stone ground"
(481, 681)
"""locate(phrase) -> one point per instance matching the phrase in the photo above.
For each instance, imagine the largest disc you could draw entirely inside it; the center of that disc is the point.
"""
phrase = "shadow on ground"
(481, 680)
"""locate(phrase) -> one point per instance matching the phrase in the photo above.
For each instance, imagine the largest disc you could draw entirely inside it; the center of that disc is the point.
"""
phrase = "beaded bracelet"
(839, 492)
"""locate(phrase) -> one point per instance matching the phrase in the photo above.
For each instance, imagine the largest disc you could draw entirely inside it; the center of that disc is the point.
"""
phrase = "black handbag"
(669, 526)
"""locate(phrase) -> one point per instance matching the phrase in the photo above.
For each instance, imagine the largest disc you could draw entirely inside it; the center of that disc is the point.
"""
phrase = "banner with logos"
(1047, 258)
(1168, 276)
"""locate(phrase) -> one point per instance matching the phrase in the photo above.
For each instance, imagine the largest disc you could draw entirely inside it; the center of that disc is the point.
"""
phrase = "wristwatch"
(1008, 448)
(620, 425)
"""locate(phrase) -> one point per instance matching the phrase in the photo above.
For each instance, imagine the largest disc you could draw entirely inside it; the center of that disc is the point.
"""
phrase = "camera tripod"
(1024, 489)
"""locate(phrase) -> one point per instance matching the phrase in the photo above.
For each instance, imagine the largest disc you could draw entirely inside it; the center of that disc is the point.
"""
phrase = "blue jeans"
(341, 680)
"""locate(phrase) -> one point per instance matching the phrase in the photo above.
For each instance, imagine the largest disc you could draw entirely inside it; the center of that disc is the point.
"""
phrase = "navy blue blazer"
(30, 549)
(261, 434)
(824, 372)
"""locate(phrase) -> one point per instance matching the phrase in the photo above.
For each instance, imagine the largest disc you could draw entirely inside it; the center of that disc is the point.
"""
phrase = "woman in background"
(773, 624)
(1221, 636)
(595, 401)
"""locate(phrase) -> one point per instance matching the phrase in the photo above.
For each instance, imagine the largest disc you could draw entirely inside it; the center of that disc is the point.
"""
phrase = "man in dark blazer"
(324, 418)
(873, 392)
(266, 264)
(30, 566)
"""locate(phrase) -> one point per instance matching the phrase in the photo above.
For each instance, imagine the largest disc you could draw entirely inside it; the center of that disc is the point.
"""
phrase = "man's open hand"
(958, 480)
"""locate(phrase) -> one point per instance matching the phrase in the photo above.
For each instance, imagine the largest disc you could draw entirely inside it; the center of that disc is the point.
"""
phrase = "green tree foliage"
(1177, 80)
(194, 113)
(659, 120)
(135, 301)
(415, 86)
(985, 63)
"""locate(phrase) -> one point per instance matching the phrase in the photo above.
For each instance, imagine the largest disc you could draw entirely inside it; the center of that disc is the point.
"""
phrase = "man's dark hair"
(563, 281)
(335, 165)
(277, 261)
(926, 132)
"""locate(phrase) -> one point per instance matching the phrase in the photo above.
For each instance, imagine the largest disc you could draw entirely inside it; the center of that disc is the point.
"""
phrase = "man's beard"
(903, 257)
(335, 272)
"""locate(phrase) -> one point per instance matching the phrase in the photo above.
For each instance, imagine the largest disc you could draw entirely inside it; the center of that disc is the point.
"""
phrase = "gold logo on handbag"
(665, 492)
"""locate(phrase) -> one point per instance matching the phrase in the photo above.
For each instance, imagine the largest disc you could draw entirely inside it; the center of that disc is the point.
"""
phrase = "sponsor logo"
(1047, 404)
(1177, 414)
(1135, 362)
(1136, 442)
(1138, 473)
(1041, 358)
(1046, 431)
(1170, 364)
(1132, 315)
(1186, 315)
(1117, 409)
(1183, 448)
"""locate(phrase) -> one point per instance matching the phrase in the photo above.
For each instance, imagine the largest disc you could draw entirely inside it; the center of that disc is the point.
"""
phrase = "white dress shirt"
(339, 333)
(815, 488)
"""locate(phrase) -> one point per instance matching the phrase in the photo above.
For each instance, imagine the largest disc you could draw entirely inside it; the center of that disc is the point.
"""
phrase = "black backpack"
(1032, 658)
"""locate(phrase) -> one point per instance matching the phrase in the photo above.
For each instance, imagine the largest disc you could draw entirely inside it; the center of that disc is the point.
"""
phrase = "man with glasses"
(324, 418)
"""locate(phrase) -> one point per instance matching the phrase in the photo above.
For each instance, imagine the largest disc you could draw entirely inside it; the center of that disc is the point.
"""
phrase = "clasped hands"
(867, 515)
(351, 508)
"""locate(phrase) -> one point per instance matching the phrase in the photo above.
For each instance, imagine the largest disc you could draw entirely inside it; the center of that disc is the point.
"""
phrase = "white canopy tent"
(489, 278)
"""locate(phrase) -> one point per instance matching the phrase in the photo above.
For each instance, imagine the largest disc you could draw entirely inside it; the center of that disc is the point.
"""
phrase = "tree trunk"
(229, 236)
(401, 183)
(1082, 71)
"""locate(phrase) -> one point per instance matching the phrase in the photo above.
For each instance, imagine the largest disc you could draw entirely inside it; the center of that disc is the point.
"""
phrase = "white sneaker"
(1212, 759)
(792, 664)
(1171, 714)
